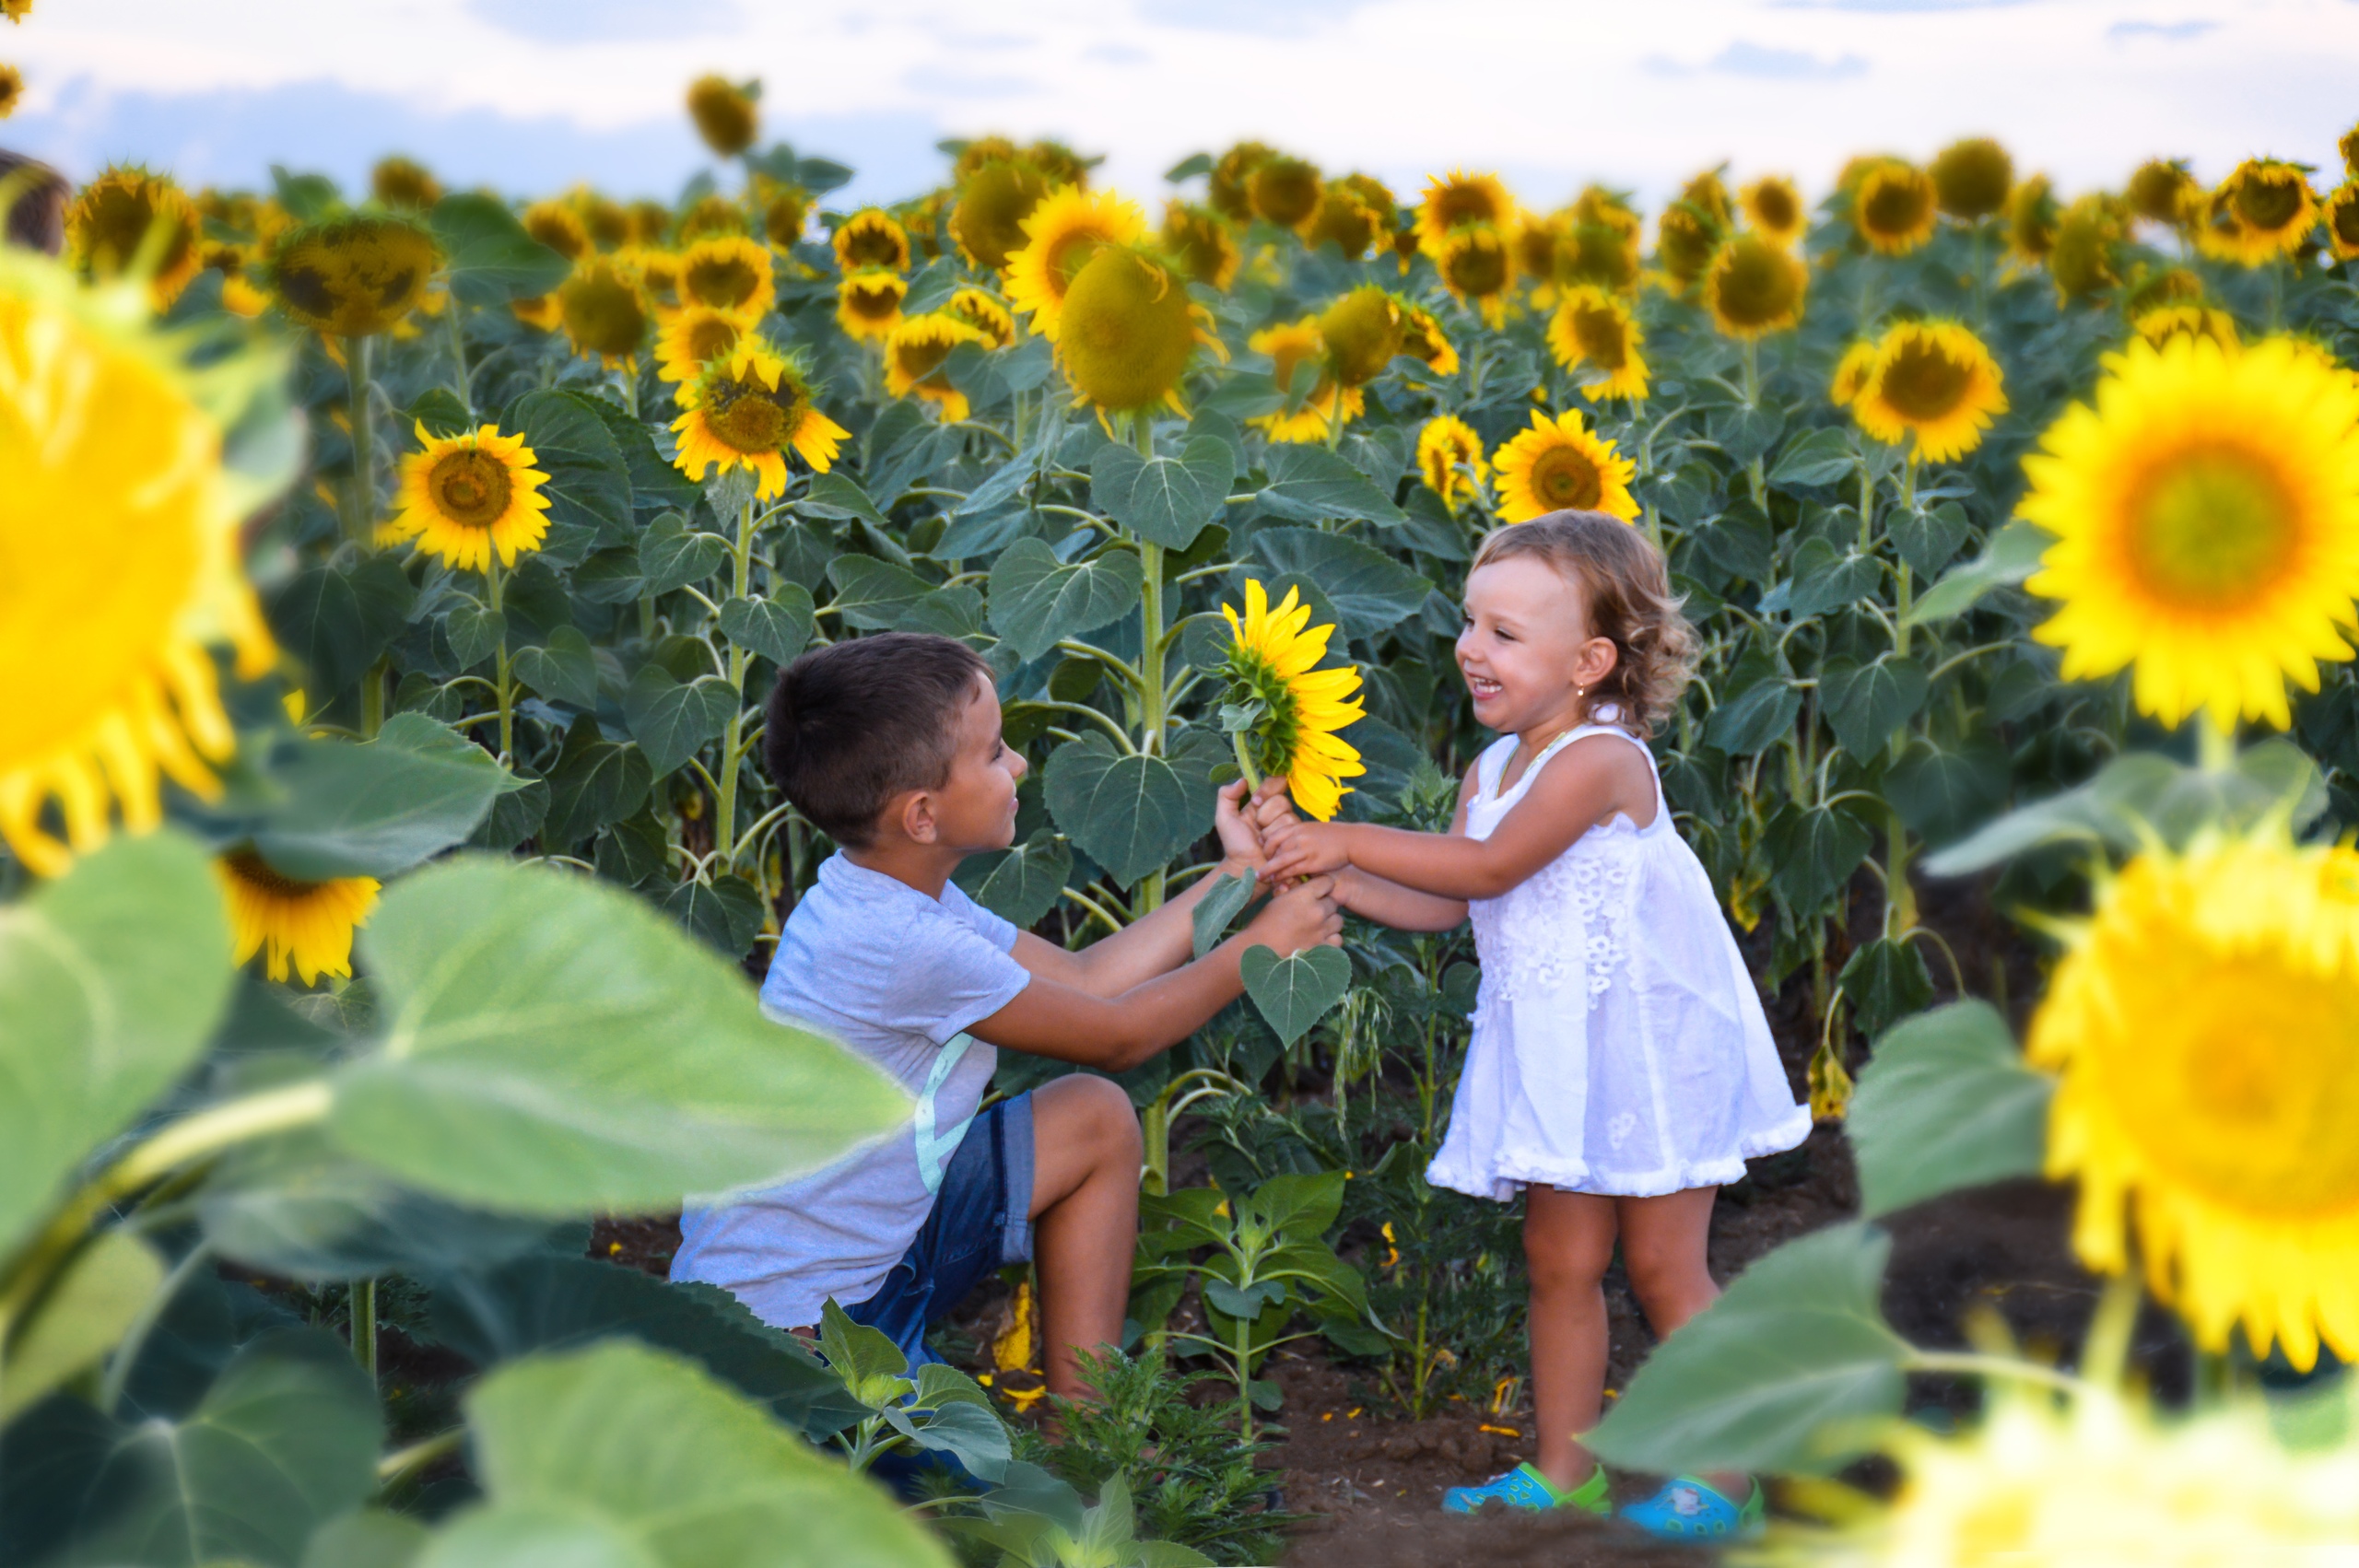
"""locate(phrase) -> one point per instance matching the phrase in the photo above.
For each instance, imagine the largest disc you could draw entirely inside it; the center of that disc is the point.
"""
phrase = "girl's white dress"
(1619, 1045)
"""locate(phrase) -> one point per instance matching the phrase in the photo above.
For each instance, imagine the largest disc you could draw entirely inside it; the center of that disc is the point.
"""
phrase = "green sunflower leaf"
(1036, 599)
(671, 718)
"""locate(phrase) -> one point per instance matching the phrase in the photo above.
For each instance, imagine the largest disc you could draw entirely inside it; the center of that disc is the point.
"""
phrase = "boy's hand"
(1304, 848)
(1238, 821)
(1303, 916)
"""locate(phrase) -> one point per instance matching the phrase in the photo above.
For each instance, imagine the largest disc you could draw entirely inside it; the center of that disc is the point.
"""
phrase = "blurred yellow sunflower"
(2162, 190)
(1298, 357)
(1067, 228)
(403, 182)
(1201, 244)
(650, 222)
(2164, 322)
(2340, 214)
(786, 213)
(1934, 380)
(106, 624)
(1539, 247)
(1355, 212)
(1226, 186)
(2155, 287)
(539, 312)
(1852, 373)
(1295, 708)
(749, 411)
(1602, 255)
(971, 157)
(1609, 209)
(2348, 146)
(1454, 200)
(1284, 190)
(1476, 266)
(2271, 209)
(308, 923)
(1593, 328)
(1894, 207)
(1422, 338)
(1362, 333)
(914, 352)
(352, 276)
(12, 89)
(1754, 286)
(1450, 460)
(1773, 204)
(1560, 464)
(868, 304)
(605, 220)
(558, 225)
(724, 113)
(1127, 332)
(2204, 1026)
(712, 216)
(602, 310)
(2031, 221)
(1971, 177)
(128, 218)
(1685, 242)
(659, 277)
(985, 313)
(467, 497)
(694, 337)
(2206, 514)
(2083, 264)
(870, 238)
(730, 273)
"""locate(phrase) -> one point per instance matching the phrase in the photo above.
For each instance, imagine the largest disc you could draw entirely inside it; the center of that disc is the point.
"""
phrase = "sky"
(531, 96)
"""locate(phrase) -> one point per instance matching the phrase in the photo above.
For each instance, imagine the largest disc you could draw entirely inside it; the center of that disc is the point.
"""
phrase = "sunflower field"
(385, 846)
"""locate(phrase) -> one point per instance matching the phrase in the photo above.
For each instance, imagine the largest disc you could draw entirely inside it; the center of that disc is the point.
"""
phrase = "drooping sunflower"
(2084, 264)
(105, 626)
(1450, 458)
(724, 113)
(1353, 215)
(351, 276)
(2206, 513)
(1284, 190)
(602, 310)
(404, 182)
(1294, 708)
(2204, 1026)
(786, 213)
(2340, 213)
(1059, 162)
(914, 352)
(993, 201)
(712, 216)
(1299, 359)
(1362, 333)
(728, 274)
(2271, 209)
(1934, 381)
(1594, 329)
(986, 313)
(1476, 266)
(558, 225)
(1456, 199)
(1224, 187)
(1560, 464)
(923, 220)
(1422, 338)
(1773, 204)
(749, 411)
(307, 923)
(1199, 240)
(1893, 208)
(1852, 373)
(694, 337)
(1063, 232)
(2164, 322)
(1602, 255)
(870, 238)
(972, 156)
(2031, 221)
(2162, 190)
(868, 304)
(1972, 176)
(467, 497)
(1685, 242)
(1127, 330)
(127, 217)
(1754, 286)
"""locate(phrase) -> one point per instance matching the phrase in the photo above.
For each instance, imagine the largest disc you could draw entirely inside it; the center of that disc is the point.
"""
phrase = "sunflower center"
(1464, 204)
(1479, 270)
(251, 868)
(1774, 206)
(1565, 477)
(748, 418)
(727, 281)
(923, 358)
(1757, 288)
(1893, 207)
(2269, 202)
(2212, 528)
(1923, 383)
(872, 304)
(470, 486)
(1599, 332)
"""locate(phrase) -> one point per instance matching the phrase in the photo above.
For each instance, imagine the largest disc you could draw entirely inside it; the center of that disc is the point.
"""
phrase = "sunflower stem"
(1752, 471)
(504, 690)
(2105, 1350)
(2215, 743)
(724, 826)
(361, 516)
(459, 377)
(1153, 694)
(364, 1327)
(1245, 766)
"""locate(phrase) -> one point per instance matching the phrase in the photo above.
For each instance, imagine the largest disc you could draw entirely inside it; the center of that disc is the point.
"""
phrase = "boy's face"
(974, 812)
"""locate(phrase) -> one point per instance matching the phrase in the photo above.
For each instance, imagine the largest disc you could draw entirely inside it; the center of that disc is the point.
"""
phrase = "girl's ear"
(1595, 660)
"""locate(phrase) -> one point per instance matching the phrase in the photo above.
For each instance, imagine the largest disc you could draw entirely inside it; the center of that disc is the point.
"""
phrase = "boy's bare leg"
(1567, 1244)
(1664, 1246)
(1085, 1155)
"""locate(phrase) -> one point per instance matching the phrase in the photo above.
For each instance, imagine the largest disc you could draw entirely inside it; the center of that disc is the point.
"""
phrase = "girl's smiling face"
(1527, 651)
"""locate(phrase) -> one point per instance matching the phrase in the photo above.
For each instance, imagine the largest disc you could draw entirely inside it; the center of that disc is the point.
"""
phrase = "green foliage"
(1947, 1103)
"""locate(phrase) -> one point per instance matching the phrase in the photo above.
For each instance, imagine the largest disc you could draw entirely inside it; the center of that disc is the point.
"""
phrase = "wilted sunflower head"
(1934, 381)
(693, 337)
(1422, 338)
(1127, 330)
(1284, 191)
(2162, 322)
(986, 313)
(870, 238)
(128, 219)
(1685, 242)
(973, 156)
(2162, 190)
(607, 220)
(1894, 207)
(1347, 220)
(1603, 254)
(868, 304)
(1971, 177)
(786, 212)
(602, 310)
(2340, 214)
(1456, 199)
(1754, 286)
(558, 225)
(1226, 188)
(914, 353)
(1773, 204)
(399, 181)
(725, 114)
(2263, 210)
(729, 275)
(2031, 220)
(749, 410)
(1060, 163)
(2087, 237)
(710, 218)
(354, 276)
(993, 201)
(1199, 240)
(1060, 236)
(1362, 333)
(1477, 266)
(1594, 329)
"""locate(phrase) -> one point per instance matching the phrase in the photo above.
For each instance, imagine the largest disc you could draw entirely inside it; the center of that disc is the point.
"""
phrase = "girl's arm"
(1594, 777)
(1372, 898)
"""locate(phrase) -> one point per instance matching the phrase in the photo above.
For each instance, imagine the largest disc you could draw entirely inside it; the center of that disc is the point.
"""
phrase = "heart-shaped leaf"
(776, 628)
(671, 718)
(589, 483)
(1019, 885)
(1293, 993)
(1164, 500)
(1946, 1103)
(566, 670)
(673, 556)
(596, 781)
(378, 808)
(871, 594)
(490, 257)
(475, 630)
(1035, 599)
(1131, 814)
(1865, 703)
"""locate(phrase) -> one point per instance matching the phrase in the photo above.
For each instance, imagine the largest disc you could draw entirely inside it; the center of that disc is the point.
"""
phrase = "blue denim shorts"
(981, 1222)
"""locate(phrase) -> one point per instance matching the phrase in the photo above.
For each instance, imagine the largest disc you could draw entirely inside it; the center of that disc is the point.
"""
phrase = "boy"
(891, 745)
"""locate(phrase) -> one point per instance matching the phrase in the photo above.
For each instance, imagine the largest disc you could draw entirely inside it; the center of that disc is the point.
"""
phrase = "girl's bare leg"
(1567, 1244)
(1664, 1246)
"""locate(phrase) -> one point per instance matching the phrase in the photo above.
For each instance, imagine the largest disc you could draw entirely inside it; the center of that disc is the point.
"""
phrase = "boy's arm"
(1373, 897)
(1052, 1019)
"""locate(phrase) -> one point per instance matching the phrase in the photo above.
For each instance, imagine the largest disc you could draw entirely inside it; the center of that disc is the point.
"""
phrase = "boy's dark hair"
(854, 724)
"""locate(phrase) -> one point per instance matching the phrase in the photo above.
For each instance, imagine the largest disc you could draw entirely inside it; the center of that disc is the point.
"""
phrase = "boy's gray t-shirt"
(897, 977)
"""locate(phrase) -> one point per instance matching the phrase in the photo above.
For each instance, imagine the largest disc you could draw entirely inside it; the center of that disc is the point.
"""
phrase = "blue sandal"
(1524, 1487)
(1689, 1509)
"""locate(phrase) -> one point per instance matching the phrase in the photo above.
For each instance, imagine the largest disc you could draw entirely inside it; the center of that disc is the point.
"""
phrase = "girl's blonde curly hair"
(1625, 585)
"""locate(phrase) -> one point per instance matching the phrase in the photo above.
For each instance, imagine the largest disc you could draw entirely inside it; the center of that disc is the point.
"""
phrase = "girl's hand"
(1304, 848)
(1235, 822)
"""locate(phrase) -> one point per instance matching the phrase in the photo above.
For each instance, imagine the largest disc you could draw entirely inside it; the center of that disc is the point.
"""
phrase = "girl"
(1621, 1068)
